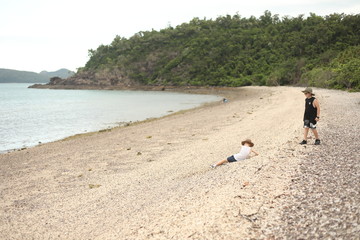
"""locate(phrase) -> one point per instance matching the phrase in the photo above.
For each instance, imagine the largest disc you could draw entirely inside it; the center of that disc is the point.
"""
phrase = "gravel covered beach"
(152, 180)
(324, 196)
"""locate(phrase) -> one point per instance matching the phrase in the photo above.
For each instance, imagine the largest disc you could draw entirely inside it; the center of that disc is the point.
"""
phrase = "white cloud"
(355, 9)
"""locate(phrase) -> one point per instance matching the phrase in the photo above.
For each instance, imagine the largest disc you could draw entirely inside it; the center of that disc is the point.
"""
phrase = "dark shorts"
(310, 124)
(231, 159)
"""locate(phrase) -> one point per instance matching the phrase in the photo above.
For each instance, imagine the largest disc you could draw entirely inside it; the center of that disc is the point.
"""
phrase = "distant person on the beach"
(245, 151)
(311, 115)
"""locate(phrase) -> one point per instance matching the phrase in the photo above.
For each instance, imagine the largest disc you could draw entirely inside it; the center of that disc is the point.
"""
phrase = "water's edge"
(217, 92)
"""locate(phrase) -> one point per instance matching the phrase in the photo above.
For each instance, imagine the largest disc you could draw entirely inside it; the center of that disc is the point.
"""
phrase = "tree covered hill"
(15, 76)
(62, 73)
(234, 51)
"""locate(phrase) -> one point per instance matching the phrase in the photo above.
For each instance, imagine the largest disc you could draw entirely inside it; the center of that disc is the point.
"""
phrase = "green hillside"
(235, 51)
(15, 76)
(62, 73)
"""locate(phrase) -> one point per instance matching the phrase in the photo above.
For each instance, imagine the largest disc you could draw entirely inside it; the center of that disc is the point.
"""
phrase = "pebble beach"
(152, 180)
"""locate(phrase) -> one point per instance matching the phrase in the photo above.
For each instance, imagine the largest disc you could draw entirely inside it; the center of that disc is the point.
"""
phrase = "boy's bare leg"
(221, 162)
(306, 131)
(315, 133)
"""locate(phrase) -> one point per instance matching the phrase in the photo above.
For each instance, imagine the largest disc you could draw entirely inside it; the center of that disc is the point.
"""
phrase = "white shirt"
(243, 154)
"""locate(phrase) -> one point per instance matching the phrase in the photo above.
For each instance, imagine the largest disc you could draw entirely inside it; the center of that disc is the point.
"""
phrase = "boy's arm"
(317, 105)
(254, 152)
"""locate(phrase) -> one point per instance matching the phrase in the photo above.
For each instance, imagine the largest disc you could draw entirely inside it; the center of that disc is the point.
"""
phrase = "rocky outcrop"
(104, 79)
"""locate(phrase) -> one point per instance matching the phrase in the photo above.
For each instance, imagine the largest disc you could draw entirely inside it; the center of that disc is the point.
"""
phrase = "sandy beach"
(152, 180)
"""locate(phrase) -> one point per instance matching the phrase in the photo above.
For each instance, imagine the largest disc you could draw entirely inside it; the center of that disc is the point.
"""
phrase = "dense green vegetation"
(235, 51)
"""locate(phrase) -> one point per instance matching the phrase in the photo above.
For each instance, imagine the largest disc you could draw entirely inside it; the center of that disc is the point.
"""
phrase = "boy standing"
(311, 115)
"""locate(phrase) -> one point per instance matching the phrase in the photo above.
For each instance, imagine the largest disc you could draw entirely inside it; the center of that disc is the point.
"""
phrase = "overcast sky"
(38, 35)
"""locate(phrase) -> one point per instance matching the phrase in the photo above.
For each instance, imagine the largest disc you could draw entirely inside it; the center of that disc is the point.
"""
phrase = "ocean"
(31, 116)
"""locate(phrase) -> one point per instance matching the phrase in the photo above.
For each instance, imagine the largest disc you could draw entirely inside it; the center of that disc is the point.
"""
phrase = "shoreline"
(181, 89)
(187, 90)
(153, 181)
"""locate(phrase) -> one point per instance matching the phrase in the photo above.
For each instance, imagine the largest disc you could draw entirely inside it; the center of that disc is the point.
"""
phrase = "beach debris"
(149, 137)
(128, 148)
(281, 195)
(90, 169)
(91, 186)
(259, 168)
(123, 124)
(246, 184)
(139, 153)
(191, 235)
(105, 130)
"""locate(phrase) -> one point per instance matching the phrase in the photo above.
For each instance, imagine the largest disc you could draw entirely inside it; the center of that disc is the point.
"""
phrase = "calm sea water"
(29, 116)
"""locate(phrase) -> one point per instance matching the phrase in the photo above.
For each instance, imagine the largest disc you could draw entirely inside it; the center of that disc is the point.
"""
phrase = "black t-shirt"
(310, 110)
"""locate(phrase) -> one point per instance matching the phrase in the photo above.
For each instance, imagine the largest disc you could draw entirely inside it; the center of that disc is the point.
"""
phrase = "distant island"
(15, 76)
(317, 51)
